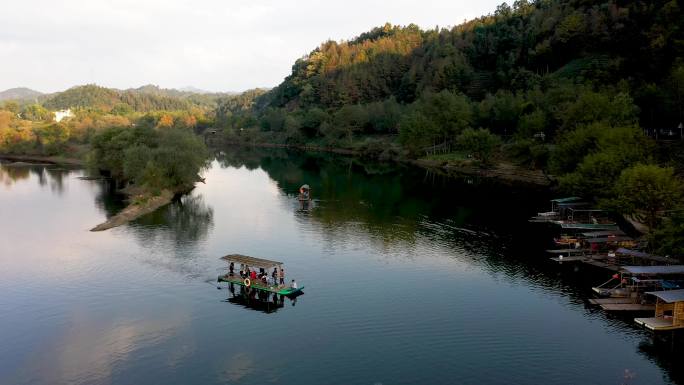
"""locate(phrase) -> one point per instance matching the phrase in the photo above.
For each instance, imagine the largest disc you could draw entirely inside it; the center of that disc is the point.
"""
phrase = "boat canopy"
(589, 226)
(586, 210)
(632, 253)
(608, 239)
(669, 296)
(566, 200)
(251, 261)
(597, 234)
(666, 269)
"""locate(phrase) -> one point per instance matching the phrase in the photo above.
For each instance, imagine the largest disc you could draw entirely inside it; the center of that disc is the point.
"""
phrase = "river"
(411, 278)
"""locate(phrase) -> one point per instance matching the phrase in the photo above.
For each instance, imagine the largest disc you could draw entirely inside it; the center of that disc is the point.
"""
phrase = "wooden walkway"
(627, 307)
(579, 258)
(611, 301)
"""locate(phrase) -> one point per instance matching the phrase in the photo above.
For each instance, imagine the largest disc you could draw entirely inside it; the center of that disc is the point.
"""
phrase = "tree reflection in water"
(396, 206)
(174, 236)
(184, 222)
(10, 174)
(258, 300)
(666, 349)
(46, 175)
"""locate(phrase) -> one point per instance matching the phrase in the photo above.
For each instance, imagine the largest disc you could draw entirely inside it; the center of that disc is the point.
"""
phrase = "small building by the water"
(669, 313)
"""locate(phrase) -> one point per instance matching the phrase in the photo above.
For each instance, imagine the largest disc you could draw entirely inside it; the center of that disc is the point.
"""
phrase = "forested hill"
(531, 45)
(143, 99)
(93, 96)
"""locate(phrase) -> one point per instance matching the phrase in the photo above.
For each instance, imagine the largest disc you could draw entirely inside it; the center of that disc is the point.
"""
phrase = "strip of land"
(142, 204)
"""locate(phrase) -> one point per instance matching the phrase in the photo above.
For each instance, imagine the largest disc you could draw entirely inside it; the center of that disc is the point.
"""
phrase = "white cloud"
(212, 44)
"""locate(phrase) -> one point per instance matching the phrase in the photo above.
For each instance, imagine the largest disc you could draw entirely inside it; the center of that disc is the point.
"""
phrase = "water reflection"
(174, 236)
(46, 175)
(383, 207)
(56, 178)
(437, 275)
(189, 219)
(10, 173)
(257, 300)
(108, 199)
(666, 349)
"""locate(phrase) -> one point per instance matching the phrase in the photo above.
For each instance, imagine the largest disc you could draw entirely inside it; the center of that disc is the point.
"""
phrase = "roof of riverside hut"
(665, 269)
(669, 296)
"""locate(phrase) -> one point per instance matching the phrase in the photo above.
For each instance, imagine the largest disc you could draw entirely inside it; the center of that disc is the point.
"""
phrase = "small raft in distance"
(257, 263)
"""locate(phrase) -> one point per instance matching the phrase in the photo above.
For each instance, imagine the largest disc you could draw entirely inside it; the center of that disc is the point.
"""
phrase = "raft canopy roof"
(666, 269)
(669, 296)
(251, 261)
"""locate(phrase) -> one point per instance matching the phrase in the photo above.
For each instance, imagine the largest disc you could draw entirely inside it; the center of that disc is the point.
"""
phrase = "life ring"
(247, 282)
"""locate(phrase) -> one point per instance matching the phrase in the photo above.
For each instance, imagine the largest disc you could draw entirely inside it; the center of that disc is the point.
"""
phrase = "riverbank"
(141, 204)
(502, 171)
(43, 159)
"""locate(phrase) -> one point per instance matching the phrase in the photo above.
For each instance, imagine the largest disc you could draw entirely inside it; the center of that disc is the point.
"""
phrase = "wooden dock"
(627, 307)
(657, 323)
(603, 265)
(669, 311)
(611, 301)
(579, 258)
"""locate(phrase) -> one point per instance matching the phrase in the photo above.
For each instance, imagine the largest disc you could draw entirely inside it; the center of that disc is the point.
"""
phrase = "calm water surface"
(410, 278)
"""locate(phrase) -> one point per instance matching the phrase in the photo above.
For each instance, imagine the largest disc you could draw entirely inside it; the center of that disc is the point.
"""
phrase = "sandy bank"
(141, 205)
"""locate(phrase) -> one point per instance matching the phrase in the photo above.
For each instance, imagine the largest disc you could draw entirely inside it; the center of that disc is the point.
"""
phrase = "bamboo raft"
(257, 284)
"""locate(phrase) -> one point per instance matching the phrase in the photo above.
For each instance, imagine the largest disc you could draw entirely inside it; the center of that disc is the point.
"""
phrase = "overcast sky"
(217, 45)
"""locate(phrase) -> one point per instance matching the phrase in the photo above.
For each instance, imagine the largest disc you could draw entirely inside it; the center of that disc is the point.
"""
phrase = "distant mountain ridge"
(145, 98)
(20, 93)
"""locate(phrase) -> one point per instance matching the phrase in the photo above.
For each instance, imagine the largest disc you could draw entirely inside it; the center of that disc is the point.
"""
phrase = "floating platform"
(657, 323)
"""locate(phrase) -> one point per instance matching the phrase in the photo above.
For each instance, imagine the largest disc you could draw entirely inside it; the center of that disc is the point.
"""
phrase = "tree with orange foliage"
(165, 121)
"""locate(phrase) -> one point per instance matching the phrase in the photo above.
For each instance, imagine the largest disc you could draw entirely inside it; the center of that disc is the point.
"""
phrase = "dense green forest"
(589, 91)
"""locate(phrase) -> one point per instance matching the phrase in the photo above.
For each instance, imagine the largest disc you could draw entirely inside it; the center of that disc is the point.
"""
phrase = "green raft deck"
(257, 284)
